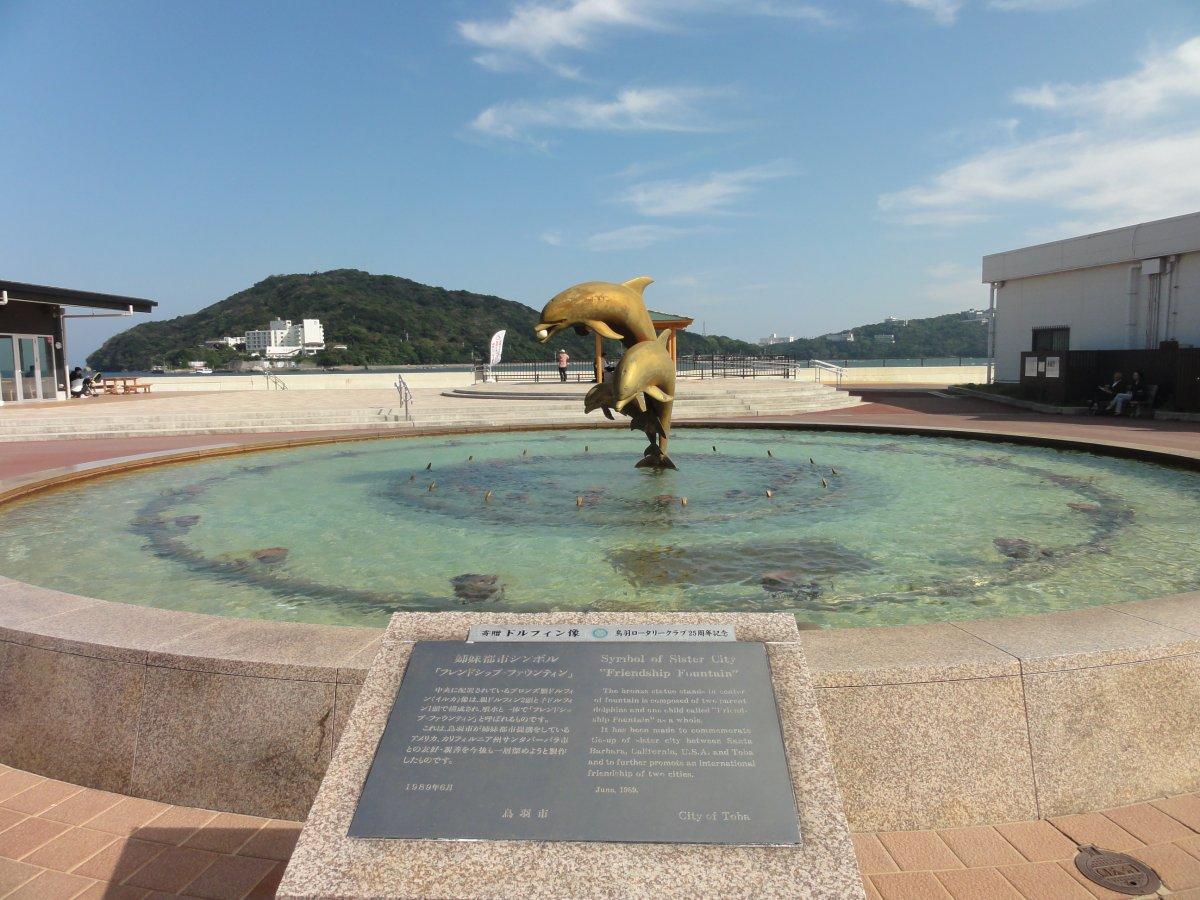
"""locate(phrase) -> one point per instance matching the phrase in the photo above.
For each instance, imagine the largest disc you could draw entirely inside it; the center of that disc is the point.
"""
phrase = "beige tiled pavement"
(1034, 860)
(60, 841)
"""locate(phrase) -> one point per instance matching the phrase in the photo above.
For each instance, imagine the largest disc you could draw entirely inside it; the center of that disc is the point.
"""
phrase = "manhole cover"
(1118, 872)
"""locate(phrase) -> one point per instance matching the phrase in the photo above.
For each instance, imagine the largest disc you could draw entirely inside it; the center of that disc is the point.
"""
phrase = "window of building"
(1052, 339)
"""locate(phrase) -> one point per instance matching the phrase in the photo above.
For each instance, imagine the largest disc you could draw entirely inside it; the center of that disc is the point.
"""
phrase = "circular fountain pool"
(841, 529)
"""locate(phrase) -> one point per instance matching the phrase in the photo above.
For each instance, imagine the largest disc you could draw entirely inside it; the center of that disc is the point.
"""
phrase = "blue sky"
(774, 165)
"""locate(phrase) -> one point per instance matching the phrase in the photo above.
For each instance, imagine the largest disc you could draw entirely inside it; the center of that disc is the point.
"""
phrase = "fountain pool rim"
(53, 642)
(67, 477)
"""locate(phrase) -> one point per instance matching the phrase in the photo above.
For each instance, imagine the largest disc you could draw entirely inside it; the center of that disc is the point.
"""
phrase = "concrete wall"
(321, 381)
(935, 375)
(1096, 304)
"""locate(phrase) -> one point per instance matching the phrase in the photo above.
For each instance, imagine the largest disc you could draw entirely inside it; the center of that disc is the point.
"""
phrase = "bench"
(1140, 408)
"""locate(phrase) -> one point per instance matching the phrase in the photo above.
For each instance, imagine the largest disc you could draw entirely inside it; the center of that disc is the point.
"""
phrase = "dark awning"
(36, 293)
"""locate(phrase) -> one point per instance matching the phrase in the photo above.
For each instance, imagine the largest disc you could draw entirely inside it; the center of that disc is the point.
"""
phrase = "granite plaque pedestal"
(736, 796)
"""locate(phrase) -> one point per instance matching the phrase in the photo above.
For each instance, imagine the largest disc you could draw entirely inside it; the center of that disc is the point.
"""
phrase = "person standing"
(562, 360)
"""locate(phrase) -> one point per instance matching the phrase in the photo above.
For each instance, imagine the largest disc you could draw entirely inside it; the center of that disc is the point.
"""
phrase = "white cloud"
(635, 237)
(537, 30)
(633, 109)
(1121, 179)
(945, 270)
(1099, 175)
(712, 193)
(1165, 81)
(956, 286)
(541, 30)
(1036, 5)
(804, 12)
(944, 12)
(553, 238)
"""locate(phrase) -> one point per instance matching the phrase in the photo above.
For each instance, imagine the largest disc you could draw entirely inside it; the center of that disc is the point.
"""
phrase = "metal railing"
(535, 370)
(406, 396)
(822, 366)
(274, 381)
(703, 366)
(883, 362)
(729, 366)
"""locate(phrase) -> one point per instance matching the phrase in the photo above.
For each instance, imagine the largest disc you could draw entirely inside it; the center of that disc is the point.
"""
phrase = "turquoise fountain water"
(874, 530)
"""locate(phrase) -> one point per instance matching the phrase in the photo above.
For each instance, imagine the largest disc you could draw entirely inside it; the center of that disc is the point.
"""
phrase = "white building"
(841, 337)
(281, 338)
(1129, 288)
(776, 339)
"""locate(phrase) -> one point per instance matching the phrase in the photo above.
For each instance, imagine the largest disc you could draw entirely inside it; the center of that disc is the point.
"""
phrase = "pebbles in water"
(270, 556)
(782, 581)
(805, 561)
(1015, 548)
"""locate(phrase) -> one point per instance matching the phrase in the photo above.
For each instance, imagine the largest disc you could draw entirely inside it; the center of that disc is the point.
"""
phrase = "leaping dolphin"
(613, 311)
(646, 377)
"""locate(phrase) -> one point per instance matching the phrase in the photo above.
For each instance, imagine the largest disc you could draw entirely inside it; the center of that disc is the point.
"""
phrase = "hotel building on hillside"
(282, 339)
(1070, 312)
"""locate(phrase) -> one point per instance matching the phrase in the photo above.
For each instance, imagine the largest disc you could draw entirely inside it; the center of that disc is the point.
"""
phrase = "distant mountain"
(382, 319)
(955, 334)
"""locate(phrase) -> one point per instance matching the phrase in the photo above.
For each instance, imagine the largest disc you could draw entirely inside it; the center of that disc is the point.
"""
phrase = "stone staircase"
(464, 407)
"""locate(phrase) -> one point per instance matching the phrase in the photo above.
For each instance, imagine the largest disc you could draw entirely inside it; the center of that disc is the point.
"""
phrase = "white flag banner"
(497, 348)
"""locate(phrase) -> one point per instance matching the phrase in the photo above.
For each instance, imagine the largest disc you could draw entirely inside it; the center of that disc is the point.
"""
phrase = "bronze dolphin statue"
(645, 377)
(613, 311)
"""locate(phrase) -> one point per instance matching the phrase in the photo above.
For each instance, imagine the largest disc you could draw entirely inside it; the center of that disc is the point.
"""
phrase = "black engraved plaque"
(662, 742)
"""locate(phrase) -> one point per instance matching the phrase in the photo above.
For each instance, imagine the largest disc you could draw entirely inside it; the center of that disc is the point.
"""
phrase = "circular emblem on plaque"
(1118, 872)
(599, 632)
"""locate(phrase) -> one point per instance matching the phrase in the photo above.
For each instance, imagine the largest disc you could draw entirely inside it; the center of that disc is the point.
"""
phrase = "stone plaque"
(651, 742)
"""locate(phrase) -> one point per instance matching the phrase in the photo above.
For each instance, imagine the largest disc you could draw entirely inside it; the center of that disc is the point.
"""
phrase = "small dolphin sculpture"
(646, 378)
(613, 311)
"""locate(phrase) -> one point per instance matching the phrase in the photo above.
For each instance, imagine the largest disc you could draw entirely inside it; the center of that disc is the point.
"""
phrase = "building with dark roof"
(33, 336)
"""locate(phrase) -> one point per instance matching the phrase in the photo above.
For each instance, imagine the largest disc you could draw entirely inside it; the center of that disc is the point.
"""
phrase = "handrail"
(274, 381)
(406, 396)
(829, 367)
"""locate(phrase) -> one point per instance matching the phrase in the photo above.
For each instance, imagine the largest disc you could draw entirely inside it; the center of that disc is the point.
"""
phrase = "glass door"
(46, 374)
(8, 369)
(27, 380)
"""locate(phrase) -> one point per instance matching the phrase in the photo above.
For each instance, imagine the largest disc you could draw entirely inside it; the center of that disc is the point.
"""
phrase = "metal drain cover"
(1118, 872)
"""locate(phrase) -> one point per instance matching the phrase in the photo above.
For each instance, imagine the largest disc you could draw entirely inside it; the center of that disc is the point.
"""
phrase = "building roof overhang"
(19, 292)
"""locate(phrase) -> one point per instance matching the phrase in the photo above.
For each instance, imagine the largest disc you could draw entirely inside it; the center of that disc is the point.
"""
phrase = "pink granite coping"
(1141, 630)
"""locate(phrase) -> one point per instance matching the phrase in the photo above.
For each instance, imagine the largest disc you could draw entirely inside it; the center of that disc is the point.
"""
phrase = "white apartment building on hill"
(282, 338)
(776, 339)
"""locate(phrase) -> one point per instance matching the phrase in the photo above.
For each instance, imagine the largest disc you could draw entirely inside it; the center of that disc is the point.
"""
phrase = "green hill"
(382, 319)
(956, 334)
